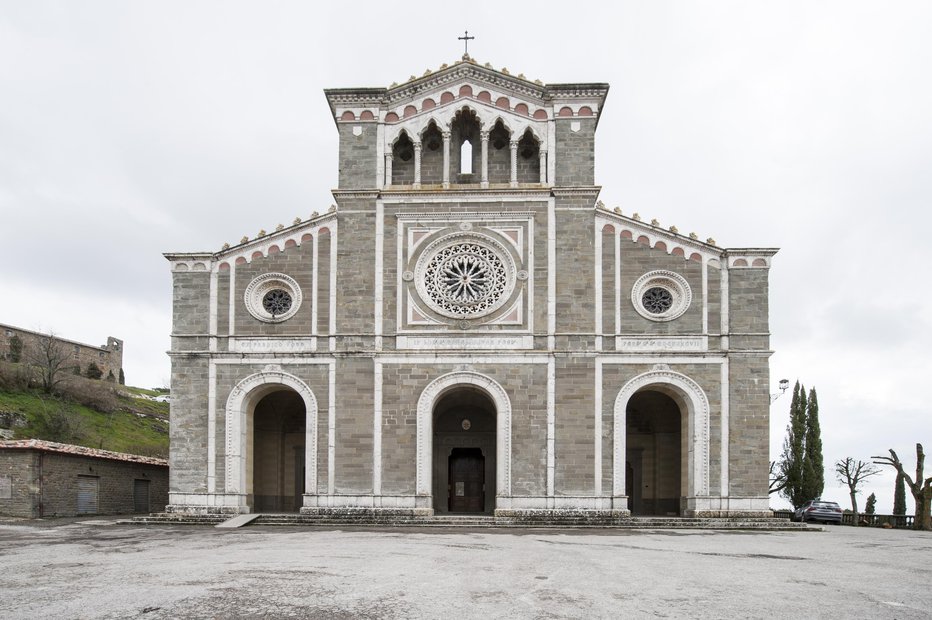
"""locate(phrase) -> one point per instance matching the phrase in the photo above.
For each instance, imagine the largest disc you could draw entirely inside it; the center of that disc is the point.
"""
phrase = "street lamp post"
(784, 384)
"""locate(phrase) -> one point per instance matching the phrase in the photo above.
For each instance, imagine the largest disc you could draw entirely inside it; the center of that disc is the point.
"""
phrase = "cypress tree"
(899, 496)
(871, 506)
(794, 449)
(813, 467)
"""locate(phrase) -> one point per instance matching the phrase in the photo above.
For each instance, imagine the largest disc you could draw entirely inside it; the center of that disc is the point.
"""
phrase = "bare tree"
(49, 357)
(921, 489)
(853, 473)
(777, 478)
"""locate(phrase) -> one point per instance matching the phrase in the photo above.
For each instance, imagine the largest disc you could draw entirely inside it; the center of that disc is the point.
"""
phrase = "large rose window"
(465, 276)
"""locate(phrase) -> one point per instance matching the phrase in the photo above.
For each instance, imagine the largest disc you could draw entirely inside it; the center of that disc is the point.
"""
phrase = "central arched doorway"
(464, 446)
(276, 458)
(655, 471)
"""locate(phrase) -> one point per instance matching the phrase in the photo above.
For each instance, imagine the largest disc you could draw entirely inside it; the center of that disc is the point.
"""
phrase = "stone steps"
(549, 520)
(173, 518)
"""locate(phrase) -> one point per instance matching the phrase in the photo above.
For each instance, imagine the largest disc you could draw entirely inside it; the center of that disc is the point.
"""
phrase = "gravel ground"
(100, 569)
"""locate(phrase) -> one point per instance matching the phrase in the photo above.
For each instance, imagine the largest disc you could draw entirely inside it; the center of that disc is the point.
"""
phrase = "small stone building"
(468, 329)
(108, 357)
(47, 479)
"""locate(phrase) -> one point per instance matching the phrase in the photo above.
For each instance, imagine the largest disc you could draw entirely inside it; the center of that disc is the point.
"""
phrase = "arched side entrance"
(240, 416)
(655, 440)
(426, 407)
(277, 456)
(693, 405)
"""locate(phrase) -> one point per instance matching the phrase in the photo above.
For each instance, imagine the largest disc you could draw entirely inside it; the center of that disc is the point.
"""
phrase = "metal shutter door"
(87, 495)
(141, 496)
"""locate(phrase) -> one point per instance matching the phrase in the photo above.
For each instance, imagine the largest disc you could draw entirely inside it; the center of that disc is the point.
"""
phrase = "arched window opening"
(465, 154)
(499, 154)
(403, 161)
(432, 155)
(466, 158)
(528, 159)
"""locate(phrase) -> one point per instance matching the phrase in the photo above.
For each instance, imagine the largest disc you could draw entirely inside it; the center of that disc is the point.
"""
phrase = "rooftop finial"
(466, 39)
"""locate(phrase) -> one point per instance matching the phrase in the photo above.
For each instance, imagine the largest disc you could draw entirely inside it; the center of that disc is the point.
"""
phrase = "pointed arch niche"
(402, 168)
(472, 141)
(432, 159)
(529, 160)
(499, 154)
(465, 128)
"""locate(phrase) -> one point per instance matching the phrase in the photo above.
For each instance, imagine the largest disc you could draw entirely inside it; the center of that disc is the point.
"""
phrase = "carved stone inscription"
(647, 343)
(266, 345)
(454, 342)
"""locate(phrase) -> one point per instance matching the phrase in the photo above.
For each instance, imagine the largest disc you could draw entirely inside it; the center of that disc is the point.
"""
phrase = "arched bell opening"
(465, 155)
(528, 158)
(403, 160)
(432, 155)
(464, 446)
(655, 468)
(499, 154)
(275, 458)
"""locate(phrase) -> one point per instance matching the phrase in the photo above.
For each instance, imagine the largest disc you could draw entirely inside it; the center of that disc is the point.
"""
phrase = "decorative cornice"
(463, 70)
(201, 261)
(617, 219)
(589, 191)
(470, 195)
(354, 193)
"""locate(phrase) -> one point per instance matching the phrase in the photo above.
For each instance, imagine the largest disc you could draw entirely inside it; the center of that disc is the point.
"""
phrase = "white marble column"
(543, 166)
(446, 160)
(417, 164)
(484, 137)
(388, 167)
(514, 163)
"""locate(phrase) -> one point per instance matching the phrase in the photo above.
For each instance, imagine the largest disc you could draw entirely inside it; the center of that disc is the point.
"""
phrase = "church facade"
(468, 329)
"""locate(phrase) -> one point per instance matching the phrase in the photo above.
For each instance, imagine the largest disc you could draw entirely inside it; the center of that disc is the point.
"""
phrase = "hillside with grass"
(81, 411)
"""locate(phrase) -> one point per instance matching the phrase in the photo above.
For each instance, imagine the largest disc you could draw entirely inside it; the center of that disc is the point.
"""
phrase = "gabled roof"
(673, 242)
(264, 243)
(462, 71)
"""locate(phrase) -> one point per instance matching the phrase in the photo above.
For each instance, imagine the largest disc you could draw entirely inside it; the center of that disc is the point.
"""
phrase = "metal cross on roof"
(466, 39)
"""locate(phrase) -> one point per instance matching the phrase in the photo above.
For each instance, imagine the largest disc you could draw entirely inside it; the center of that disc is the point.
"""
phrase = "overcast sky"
(128, 129)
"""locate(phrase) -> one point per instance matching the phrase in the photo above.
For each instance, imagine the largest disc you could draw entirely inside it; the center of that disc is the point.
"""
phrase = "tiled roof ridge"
(64, 448)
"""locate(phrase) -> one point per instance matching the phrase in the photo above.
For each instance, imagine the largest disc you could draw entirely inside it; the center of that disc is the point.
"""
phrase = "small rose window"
(661, 295)
(273, 297)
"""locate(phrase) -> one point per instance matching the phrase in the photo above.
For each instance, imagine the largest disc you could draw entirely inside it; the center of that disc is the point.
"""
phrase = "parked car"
(817, 510)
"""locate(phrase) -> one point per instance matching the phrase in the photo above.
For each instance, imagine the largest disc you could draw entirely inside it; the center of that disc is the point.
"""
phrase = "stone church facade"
(468, 329)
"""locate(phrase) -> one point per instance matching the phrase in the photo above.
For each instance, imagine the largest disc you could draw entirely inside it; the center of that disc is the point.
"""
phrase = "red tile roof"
(63, 448)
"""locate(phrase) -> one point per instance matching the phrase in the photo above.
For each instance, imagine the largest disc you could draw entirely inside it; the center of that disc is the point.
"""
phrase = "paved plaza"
(101, 569)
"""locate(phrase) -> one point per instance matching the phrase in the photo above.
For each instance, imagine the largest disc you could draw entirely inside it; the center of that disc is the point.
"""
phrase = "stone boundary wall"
(108, 357)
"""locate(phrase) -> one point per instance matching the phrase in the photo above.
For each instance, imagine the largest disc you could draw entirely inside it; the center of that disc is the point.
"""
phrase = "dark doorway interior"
(466, 480)
(654, 482)
(278, 453)
(464, 458)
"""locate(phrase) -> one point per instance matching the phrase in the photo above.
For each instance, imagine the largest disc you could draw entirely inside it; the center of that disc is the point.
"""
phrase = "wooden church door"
(467, 480)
